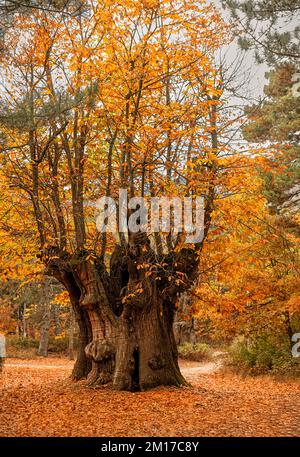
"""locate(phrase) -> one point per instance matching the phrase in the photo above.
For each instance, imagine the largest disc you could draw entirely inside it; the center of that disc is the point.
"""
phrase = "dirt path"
(206, 367)
(190, 370)
(38, 399)
(35, 366)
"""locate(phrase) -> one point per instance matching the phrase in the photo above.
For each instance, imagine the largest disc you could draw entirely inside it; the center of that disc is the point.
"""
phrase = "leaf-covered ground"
(38, 399)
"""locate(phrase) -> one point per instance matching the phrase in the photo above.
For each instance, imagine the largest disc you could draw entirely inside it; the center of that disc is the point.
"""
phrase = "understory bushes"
(262, 354)
(21, 347)
(197, 351)
(27, 347)
(58, 345)
(21, 342)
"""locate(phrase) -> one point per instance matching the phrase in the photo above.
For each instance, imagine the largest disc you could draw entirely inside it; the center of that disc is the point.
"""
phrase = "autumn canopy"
(132, 95)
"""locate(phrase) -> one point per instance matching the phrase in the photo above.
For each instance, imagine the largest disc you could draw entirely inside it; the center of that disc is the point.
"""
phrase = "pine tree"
(269, 26)
(277, 120)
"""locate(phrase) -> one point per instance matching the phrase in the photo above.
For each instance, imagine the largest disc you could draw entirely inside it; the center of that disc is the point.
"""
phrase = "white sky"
(257, 72)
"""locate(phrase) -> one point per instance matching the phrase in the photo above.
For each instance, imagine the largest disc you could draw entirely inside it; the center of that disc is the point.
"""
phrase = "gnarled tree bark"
(125, 317)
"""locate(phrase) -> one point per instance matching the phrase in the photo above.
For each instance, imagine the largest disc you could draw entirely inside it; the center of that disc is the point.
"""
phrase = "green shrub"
(21, 347)
(27, 347)
(197, 351)
(22, 343)
(58, 345)
(263, 353)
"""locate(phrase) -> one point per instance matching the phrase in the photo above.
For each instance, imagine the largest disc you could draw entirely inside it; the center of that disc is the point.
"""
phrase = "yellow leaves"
(139, 291)
(246, 267)
(293, 304)
(61, 336)
(47, 91)
(152, 4)
(91, 257)
(24, 283)
(143, 266)
(61, 299)
(127, 298)
(214, 92)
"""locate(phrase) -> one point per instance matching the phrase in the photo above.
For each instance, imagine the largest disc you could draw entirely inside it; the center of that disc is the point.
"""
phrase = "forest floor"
(39, 399)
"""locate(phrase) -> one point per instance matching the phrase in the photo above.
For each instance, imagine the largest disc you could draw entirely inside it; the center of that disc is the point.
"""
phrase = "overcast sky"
(255, 72)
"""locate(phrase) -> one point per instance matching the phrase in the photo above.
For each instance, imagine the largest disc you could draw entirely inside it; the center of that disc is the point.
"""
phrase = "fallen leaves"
(39, 401)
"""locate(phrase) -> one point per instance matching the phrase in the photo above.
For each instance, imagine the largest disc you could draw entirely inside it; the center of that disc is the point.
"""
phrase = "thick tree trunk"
(125, 318)
(135, 350)
(146, 350)
(94, 302)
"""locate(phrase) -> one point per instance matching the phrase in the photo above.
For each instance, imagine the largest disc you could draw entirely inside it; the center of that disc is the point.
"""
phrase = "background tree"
(276, 121)
(252, 288)
(270, 27)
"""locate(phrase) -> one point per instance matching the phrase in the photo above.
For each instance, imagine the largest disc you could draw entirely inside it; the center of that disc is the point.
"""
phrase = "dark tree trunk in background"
(125, 317)
(44, 330)
(71, 335)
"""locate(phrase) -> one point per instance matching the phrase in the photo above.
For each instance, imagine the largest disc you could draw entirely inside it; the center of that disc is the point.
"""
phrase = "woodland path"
(38, 399)
(189, 369)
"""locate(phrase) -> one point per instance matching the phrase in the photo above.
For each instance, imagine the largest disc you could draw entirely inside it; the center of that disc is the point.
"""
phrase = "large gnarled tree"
(118, 97)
